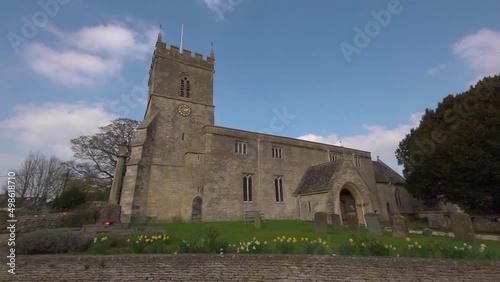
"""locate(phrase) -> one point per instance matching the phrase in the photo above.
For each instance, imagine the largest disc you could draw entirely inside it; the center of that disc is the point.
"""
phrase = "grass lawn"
(235, 232)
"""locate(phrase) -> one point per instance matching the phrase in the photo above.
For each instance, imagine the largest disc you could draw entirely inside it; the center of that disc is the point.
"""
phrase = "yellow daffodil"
(408, 239)
(254, 238)
(274, 240)
(306, 239)
(95, 240)
(128, 240)
(419, 246)
(351, 240)
(416, 243)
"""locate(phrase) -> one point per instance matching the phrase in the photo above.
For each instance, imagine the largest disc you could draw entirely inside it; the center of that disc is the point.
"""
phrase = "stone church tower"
(168, 149)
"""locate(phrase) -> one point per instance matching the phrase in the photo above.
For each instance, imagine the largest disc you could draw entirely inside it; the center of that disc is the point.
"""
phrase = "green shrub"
(137, 246)
(365, 245)
(347, 249)
(102, 244)
(253, 247)
(491, 254)
(156, 247)
(285, 245)
(51, 241)
(100, 196)
(221, 246)
(316, 248)
(184, 247)
(148, 243)
(68, 199)
(203, 240)
(461, 252)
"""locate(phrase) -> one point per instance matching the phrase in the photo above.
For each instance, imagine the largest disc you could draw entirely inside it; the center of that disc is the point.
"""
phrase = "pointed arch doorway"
(347, 207)
(196, 213)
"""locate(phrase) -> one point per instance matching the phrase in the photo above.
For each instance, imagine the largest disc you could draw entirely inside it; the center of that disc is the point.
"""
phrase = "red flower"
(108, 222)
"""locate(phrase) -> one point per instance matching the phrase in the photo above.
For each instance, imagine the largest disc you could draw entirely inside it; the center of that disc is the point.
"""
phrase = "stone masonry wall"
(30, 223)
(201, 267)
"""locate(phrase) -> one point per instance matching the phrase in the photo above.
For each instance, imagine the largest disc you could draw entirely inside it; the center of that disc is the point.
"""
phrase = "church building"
(183, 167)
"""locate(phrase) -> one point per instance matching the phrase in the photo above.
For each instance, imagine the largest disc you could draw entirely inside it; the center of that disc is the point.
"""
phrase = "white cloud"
(89, 55)
(435, 69)
(115, 39)
(480, 51)
(69, 67)
(219, 7)
(49, 127)
(378, 140)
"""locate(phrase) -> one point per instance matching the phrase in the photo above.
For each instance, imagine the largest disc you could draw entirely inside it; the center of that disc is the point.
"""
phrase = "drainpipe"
(258, 169)
(300, 207)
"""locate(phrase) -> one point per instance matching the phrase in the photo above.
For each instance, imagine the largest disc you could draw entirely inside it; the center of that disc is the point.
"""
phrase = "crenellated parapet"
(173, 52)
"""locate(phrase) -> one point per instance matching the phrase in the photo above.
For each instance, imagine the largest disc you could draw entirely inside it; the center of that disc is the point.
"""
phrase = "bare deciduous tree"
(95, 155)
(40, 176)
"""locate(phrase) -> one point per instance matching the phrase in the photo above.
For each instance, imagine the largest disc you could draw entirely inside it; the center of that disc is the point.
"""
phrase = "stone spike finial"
(212, 54)
(160, 35)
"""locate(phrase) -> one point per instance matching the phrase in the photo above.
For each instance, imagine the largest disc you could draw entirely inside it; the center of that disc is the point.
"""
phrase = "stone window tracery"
(185, 87)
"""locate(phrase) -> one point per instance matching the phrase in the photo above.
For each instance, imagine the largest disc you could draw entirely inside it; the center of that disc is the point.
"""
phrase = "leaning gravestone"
(462, 228)
(256, 220)
(436, 219)
(352, 222)
(399, 226)
(320, 222)
(336, 222)
(427, 232)
(373, 224)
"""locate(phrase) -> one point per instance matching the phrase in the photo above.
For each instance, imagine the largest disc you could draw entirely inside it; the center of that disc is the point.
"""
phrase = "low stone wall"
(202, 267)
(30, 223)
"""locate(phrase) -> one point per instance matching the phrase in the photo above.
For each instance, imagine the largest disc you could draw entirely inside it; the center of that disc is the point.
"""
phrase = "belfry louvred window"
(185, 87)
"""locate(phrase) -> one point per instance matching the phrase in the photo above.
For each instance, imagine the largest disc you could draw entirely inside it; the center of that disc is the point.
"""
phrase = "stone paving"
(204, 267)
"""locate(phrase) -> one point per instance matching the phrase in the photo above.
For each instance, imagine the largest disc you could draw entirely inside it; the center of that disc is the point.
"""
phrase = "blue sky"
(355, 72)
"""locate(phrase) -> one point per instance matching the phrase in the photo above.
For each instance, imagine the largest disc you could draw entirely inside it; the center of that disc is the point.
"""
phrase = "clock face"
(184, 110)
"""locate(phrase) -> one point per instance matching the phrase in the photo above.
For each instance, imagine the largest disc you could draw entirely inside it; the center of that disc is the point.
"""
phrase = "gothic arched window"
(278, 189)
(185, 87)
(247, 188)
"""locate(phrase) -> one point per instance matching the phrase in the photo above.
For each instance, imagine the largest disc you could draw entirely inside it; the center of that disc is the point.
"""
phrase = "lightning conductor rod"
(182, 36)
